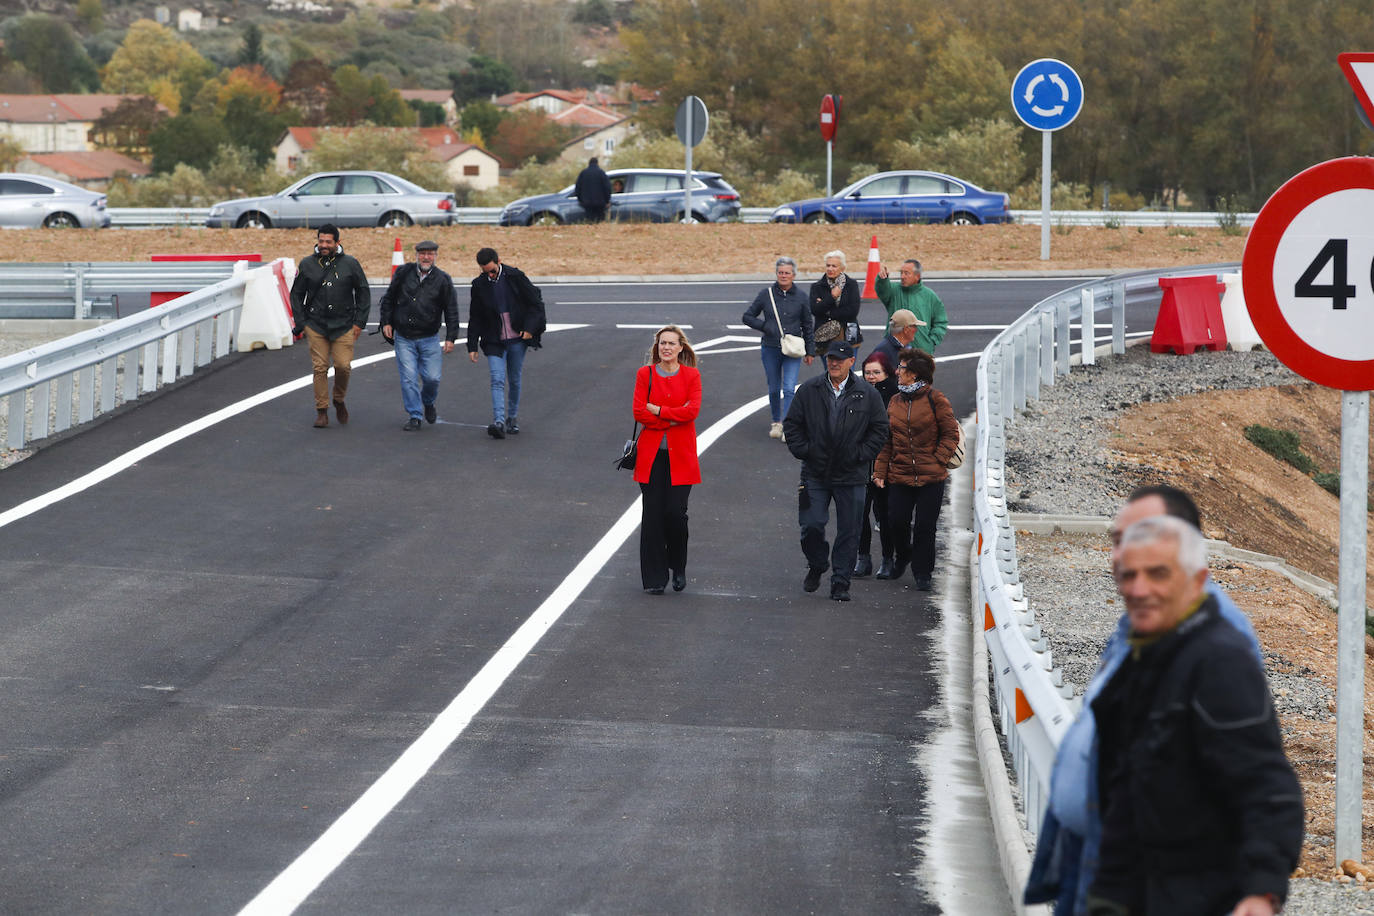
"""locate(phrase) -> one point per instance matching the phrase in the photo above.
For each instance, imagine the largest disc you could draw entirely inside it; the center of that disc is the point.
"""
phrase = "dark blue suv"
(637, 195)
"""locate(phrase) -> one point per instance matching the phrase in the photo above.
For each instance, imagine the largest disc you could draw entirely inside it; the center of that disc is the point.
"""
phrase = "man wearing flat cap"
(419, 298)
(901, 333)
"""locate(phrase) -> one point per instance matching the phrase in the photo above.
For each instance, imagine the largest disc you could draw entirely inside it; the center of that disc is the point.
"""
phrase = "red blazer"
(679, 396)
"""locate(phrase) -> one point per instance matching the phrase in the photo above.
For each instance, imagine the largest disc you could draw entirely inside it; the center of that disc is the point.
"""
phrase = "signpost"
(691, 122)
(1046, 95)
(830, 120)
(1308, 276)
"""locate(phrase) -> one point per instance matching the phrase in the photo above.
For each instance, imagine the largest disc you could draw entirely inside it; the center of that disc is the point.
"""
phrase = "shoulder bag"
(957, 458)
(791, 344)
(630, 454)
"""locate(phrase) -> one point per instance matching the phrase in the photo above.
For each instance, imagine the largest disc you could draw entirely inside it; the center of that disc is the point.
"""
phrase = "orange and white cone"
(397, 258)
(874, 262)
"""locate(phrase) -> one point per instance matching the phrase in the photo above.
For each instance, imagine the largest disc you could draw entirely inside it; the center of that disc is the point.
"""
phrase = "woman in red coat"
(667, 401)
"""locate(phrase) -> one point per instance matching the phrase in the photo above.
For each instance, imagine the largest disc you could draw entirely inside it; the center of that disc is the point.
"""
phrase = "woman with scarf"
(911, 467)
(878, 372)
(835, 297)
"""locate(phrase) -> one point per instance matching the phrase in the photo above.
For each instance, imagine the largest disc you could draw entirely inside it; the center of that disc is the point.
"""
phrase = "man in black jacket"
(1201, 811)
(330, 302)
(593, 191)
(837, 425)
(419, 297)
(505, 319)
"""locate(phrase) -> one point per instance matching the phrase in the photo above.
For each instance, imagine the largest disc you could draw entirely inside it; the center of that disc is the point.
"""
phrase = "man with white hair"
(1201, 811)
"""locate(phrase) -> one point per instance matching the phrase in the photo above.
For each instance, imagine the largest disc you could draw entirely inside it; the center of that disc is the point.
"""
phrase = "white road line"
(300, 879)
(153, 446)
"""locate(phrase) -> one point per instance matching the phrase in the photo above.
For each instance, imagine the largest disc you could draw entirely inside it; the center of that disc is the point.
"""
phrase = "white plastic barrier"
(266, 318)
(1240, 330)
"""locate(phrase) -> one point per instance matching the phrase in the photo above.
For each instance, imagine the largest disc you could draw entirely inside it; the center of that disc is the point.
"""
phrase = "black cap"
(839, 350)
(427, 246)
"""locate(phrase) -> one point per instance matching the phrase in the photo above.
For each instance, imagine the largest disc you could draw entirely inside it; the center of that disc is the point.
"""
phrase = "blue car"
(902, 197)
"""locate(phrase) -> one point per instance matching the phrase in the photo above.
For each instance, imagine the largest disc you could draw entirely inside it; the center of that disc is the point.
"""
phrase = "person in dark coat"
(330, 302)
(419, 298)
(836, 297)
(593, 191)
(1202, 814)
(836, 426)
(781, 302)
(506, 318)
(879, 373)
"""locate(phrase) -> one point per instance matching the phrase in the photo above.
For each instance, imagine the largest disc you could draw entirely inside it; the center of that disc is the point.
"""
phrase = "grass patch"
(1282, 444)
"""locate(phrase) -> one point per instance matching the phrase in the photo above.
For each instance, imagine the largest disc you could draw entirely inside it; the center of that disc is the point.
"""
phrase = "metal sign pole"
(829, 147)
(1351, 626)
(1045, 194)
(687, 179)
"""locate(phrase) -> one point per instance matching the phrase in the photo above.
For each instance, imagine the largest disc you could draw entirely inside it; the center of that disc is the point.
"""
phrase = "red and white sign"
(1308, 274)
(1358, 67)
(830, 118)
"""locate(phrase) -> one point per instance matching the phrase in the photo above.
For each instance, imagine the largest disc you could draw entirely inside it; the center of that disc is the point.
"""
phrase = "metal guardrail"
(149, 217)
(76, 289)
(1035, 703)
(49, 387)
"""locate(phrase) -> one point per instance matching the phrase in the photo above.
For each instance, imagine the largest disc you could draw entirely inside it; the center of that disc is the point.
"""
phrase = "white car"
(346, 198)
(33, 201)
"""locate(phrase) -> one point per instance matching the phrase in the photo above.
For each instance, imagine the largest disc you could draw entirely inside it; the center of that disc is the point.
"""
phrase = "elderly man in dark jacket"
(593, 191)
(836, 425)
(506, 318)
(419, 298)
(330, 302)
(1202, 814)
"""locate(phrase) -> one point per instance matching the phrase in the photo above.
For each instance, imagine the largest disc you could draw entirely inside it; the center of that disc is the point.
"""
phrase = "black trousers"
(875, 507)
(663, 525)
(912, 514)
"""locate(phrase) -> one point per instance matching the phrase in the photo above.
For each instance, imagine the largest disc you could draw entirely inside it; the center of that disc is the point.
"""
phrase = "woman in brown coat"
(924, 434)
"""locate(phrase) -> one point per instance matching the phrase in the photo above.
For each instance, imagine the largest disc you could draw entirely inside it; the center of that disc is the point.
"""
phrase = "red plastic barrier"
(1189, 315)
(157, 298)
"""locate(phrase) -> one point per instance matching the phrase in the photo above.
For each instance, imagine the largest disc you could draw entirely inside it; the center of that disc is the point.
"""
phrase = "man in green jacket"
(330, 302)
(917, 298)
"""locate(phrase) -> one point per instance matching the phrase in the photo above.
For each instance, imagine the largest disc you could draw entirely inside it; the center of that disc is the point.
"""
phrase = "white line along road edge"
(300, 879)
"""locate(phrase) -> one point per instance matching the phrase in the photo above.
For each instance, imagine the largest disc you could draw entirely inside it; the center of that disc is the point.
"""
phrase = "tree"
(250, 124)
(252, 45)
(309, 88)
(10, 154)
(154, 61)
(91, 13)
(427, 114)
(357, 99)
(399, 151)
(529, 135)
(128, 126)
(482, 79)
(481, 116)
(190, 139)
(534, 38)
(48, 49)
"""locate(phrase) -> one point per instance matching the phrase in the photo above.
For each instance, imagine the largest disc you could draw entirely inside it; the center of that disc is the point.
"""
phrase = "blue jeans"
(813, 512)
(420, 363)
(505, 377)
(781, 373)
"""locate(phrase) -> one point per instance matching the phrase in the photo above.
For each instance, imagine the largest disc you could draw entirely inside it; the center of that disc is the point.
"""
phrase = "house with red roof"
(441, 97)
(464, 163)
(54, 123)
(93, 169)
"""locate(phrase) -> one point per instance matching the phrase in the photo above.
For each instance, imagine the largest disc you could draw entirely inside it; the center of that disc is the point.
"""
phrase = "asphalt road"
(208, 658)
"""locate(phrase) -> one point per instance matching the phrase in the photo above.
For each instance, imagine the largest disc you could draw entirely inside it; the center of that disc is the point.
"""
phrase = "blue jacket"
(1066, 851)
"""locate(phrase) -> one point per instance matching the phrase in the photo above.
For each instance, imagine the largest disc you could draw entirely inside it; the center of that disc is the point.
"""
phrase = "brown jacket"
(924, 434)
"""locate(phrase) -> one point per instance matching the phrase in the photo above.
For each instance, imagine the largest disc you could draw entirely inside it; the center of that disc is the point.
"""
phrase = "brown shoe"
(341, 411)
(321, 419)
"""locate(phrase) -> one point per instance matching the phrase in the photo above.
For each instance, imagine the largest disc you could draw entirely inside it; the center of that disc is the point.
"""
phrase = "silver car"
(30, 201)
(340, 198)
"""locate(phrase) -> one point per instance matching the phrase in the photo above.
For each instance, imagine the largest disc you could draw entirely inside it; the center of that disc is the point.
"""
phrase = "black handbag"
(630, 453)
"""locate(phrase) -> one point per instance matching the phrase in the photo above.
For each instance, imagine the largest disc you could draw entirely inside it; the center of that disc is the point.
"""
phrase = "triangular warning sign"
(1358, 67)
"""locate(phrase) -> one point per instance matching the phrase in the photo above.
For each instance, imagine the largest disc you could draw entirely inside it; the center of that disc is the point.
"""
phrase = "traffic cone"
(397, 258)
(873, 264)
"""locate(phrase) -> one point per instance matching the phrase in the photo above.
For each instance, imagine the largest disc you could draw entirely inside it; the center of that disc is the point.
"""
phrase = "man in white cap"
(419, 298)
(914, 296)
(901, 332)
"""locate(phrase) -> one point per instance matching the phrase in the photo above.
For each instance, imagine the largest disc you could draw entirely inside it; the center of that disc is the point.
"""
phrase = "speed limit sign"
(1308, 274)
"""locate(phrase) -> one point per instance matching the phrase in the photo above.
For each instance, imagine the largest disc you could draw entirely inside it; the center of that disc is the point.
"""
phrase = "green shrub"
(1329, 481)
(1282, 444)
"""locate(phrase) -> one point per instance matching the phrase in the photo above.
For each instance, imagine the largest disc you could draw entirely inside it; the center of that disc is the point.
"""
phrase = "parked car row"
(366, 198)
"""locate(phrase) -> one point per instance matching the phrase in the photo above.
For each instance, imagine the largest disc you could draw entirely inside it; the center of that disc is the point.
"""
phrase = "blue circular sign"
(1047, 94)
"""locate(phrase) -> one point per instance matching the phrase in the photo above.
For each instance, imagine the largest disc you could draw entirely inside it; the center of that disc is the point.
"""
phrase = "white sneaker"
(775, 431)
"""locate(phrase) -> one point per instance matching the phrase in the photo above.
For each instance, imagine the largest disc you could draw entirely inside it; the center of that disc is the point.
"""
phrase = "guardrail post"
(1046, 348)
(1033, 361)
(1062, 346)
(14, 418)
(1119, 317)
(1018, 370)
(79, 307)
(1087, 326)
